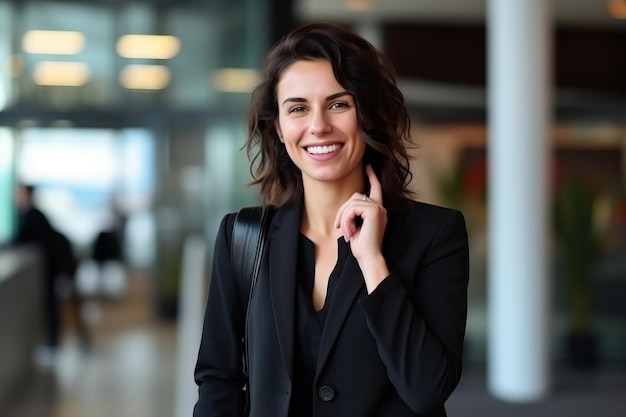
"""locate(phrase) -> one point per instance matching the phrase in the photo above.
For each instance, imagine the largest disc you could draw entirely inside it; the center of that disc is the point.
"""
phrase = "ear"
(278, 131)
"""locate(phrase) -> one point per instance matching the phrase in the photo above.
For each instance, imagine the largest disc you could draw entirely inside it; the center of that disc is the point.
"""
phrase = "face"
(317, 122)
(22, 198)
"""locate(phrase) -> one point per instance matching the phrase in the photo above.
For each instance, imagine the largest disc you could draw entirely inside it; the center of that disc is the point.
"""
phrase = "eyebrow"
(303, 100)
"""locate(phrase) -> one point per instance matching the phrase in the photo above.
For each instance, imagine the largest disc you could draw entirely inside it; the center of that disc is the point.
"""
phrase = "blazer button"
(326, 393)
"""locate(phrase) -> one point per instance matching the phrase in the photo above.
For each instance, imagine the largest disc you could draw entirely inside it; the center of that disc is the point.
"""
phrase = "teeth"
(319, 150)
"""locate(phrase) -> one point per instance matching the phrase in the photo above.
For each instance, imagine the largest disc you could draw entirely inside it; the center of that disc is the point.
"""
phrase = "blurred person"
(360, 306)
(108, 244)
(59, 264)
(107, 247)
(33, 228)
(32, 225)
(108, 254)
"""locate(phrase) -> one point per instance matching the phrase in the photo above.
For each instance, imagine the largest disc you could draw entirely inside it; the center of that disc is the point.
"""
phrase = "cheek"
(361, 144)
(290, 131)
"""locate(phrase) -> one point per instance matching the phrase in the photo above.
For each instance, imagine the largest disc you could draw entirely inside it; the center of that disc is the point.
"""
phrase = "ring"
(364, 197)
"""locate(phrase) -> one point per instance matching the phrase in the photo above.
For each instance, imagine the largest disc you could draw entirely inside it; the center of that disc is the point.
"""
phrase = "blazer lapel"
(283, 256)
(349, 286)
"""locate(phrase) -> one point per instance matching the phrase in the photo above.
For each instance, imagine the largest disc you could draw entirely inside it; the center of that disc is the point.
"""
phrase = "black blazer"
(395, 352)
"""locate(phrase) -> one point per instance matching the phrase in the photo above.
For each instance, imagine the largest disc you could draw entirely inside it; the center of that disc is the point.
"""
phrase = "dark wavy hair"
(382, 116)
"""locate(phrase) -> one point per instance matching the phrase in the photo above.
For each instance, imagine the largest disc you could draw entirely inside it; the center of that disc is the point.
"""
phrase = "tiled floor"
(130, 371)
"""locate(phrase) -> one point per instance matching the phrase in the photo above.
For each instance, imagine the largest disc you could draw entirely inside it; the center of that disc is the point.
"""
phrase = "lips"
(322, 150)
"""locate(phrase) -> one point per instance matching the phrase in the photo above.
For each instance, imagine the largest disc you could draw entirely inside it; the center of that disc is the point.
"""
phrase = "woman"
(360, 307)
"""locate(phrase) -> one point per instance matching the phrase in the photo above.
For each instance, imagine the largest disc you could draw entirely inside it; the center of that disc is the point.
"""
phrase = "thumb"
(376, 191)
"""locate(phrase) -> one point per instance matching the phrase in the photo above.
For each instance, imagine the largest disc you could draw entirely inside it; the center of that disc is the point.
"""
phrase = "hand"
(366, 241)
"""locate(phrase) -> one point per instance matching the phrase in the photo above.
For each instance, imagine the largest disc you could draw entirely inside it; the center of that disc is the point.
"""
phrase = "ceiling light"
(53, 42)
(145, 77)
(617, 8)
(148, 46)
(236, 80)
(54, 73)
(359, 5)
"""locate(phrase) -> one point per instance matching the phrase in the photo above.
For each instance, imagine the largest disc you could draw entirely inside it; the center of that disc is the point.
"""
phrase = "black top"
(309, 324)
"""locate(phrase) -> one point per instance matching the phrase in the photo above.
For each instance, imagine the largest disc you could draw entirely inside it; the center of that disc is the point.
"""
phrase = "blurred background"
(128, 117)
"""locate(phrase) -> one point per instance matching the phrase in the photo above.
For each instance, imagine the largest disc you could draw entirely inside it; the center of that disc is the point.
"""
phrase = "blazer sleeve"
(219, 371)
(420, 335)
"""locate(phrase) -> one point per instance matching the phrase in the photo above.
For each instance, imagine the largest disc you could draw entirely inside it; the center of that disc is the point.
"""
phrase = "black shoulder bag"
(248, 243)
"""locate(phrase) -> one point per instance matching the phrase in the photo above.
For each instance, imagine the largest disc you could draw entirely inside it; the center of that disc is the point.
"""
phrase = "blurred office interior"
(130, 115)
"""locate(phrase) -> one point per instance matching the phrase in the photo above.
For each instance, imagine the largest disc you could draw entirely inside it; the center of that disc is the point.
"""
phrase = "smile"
(321, 150)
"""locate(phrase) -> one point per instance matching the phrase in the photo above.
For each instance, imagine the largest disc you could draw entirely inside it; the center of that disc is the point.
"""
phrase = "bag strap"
(248, 242)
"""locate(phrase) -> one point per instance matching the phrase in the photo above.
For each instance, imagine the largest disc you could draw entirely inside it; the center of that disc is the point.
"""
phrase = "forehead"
(308, 77)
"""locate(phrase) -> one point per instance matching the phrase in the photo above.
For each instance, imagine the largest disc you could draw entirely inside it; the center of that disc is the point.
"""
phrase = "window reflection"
(88, 177)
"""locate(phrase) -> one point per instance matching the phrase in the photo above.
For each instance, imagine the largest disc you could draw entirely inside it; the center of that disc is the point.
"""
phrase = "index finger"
(376, 191)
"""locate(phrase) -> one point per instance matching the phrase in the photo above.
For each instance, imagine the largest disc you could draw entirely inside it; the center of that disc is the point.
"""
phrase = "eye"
(339, 105)
(297, 109)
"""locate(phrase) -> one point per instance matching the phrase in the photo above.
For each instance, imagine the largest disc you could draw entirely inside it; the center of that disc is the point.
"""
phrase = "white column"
(519, 84)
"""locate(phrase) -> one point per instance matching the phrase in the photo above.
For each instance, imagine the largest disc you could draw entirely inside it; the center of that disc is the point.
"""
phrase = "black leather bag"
(248, 244)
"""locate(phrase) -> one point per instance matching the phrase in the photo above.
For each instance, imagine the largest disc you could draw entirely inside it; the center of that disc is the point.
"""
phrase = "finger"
(345, 216)
(346, 224)
(376, 191)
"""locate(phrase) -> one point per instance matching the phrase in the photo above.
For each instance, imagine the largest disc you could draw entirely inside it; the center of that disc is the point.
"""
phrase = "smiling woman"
(364, 85)
(359, 307)
(317, 122)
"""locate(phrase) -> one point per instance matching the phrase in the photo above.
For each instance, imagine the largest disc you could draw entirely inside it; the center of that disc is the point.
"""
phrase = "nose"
(319, 123)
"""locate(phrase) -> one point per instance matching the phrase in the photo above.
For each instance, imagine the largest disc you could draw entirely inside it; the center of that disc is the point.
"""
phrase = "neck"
(321, 204)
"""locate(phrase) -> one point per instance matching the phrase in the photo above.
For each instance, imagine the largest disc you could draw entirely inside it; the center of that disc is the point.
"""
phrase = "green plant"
(578, 249)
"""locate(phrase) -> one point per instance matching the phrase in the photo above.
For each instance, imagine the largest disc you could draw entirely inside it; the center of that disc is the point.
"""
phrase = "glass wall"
(5, 53)
(177, 56)
(6, 185)
(113, 106)
(86, 178)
